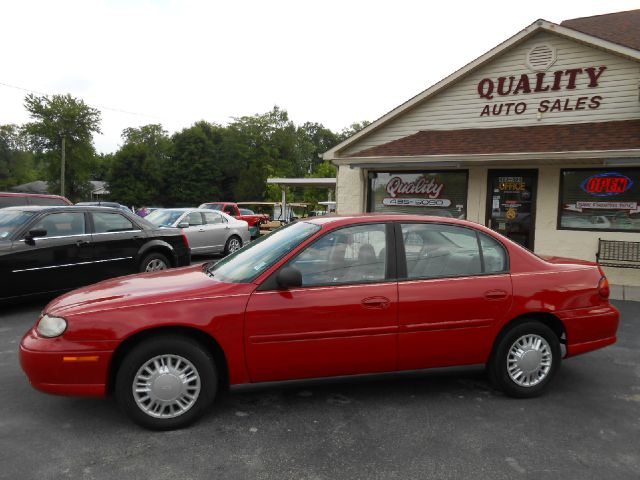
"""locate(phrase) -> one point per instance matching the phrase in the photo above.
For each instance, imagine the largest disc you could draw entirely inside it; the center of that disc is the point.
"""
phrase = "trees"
(195, 171)
(352, 129)
(17, 164)
(55, 118)
(203, 162)
(138, 171)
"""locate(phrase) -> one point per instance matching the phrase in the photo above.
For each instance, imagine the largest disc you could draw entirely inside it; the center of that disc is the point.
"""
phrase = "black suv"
(51, 249)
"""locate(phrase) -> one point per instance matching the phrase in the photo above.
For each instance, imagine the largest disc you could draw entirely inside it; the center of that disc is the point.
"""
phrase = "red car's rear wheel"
(525, 359)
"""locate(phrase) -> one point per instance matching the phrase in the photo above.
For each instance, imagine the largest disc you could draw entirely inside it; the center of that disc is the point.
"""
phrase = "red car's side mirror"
(289, 277)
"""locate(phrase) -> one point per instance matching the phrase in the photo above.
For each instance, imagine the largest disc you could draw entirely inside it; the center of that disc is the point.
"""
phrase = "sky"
(178, 62)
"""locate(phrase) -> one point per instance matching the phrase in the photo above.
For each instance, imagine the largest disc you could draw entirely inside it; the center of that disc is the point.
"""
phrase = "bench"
(619, 254)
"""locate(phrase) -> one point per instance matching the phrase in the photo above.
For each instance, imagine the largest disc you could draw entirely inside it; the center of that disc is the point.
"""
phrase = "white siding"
(459, 106)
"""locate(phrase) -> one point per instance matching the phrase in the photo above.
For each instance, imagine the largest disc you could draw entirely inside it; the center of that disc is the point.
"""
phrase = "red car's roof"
(385, 217)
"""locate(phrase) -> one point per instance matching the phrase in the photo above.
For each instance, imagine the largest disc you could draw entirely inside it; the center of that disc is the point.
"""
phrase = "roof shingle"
(622, 28)
(617, 135)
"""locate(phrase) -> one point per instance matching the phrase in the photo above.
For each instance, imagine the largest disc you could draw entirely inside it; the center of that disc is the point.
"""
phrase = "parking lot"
(443, 424)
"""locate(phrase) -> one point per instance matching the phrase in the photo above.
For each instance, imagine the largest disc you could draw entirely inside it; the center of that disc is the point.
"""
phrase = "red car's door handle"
(375, 302)
(495, 294)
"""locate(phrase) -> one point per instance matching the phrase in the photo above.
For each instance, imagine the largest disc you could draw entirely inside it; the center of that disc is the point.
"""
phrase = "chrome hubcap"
(166, 386)
(155, 265)
(234, 244)
(529, 360)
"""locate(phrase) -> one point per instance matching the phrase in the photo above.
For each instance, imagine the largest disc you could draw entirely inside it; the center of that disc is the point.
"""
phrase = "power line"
(102, 107)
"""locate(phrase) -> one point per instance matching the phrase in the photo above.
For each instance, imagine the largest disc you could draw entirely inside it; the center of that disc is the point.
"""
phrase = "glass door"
(511, 204)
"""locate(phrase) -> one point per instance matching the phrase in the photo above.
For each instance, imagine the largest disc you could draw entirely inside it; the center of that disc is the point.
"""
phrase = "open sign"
(606, 184)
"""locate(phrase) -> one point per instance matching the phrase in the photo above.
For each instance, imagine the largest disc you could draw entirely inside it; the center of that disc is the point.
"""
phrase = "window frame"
(215, 213)
(560, 199)
(135, 227)
(36, 221)
(188, 214)
(391, 260)
(403, 275)
(369, 191)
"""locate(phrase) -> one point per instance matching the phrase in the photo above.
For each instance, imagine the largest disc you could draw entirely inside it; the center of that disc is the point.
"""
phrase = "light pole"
(62, 169)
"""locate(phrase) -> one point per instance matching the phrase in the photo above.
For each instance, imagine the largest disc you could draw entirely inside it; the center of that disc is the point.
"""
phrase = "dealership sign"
(416, 202)
(606, 184)
(516, 85)
(607, 205)
(429, 189)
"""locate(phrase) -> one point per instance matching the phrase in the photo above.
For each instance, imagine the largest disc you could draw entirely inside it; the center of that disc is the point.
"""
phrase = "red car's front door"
(342, 321)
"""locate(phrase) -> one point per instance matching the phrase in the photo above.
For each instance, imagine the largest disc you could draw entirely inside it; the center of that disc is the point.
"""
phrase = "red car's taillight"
(186, 241)
(603, 287)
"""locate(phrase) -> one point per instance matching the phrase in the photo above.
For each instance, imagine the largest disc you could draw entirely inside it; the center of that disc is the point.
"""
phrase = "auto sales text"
(489, 88)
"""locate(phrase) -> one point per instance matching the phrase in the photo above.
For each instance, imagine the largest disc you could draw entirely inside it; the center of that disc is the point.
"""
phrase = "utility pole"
(62, 170)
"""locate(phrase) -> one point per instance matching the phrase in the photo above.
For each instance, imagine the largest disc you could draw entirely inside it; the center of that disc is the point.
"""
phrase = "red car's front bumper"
(57, 366)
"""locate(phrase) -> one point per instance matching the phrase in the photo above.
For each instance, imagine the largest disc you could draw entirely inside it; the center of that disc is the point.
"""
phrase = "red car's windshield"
(249, 262)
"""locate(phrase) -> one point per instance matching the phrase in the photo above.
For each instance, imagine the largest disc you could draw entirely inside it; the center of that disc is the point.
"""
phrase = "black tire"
(176, 346)
(154, 257)
(498, 370)
(228, 245)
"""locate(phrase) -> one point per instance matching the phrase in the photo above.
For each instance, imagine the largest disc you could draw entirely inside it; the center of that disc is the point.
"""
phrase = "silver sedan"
(208, 231)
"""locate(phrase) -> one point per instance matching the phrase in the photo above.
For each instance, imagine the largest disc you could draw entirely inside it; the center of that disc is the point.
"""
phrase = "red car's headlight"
(50, 327)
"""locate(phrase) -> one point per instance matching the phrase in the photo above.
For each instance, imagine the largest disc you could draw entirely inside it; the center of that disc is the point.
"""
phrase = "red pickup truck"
(253, 219)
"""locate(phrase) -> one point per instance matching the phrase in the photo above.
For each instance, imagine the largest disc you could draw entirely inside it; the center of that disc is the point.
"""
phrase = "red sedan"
(319, 298)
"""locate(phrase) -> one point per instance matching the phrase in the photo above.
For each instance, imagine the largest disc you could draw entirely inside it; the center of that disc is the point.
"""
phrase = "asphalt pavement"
(444, 424)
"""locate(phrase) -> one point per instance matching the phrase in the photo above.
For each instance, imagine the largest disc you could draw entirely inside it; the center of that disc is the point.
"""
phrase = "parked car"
(328, 296)
(253, 219)
(119, 206)
(585, 221)
(51, 249)
(207, 231)
(8, 199)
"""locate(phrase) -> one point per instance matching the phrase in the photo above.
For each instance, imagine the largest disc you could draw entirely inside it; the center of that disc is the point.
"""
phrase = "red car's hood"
(180, 283)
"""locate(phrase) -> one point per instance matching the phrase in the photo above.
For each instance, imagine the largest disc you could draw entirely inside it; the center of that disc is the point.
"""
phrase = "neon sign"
(606, 184)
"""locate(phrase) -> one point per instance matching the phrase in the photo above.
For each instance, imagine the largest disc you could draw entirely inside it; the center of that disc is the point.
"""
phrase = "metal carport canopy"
(329, 183)
(303, 182)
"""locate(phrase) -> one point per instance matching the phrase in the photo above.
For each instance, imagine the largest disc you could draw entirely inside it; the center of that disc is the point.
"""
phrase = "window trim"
(136, 227)
(87, 226)
(560, 202)
(215, 213)
(391, 263)
(186, 218)
(369, 198)
(403, 275)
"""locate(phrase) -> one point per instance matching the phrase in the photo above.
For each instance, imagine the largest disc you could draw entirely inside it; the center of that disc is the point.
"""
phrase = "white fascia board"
(538, 25)
(302, 181)
(490, 157)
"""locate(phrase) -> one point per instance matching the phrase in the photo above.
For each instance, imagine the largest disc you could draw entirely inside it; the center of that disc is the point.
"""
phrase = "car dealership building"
(538, 139)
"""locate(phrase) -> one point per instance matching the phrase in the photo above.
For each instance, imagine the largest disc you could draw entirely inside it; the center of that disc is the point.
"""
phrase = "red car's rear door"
(343, 320)
(456, 287)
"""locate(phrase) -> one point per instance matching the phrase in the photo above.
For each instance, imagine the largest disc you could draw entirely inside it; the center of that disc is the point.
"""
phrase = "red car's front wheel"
(166, 382)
